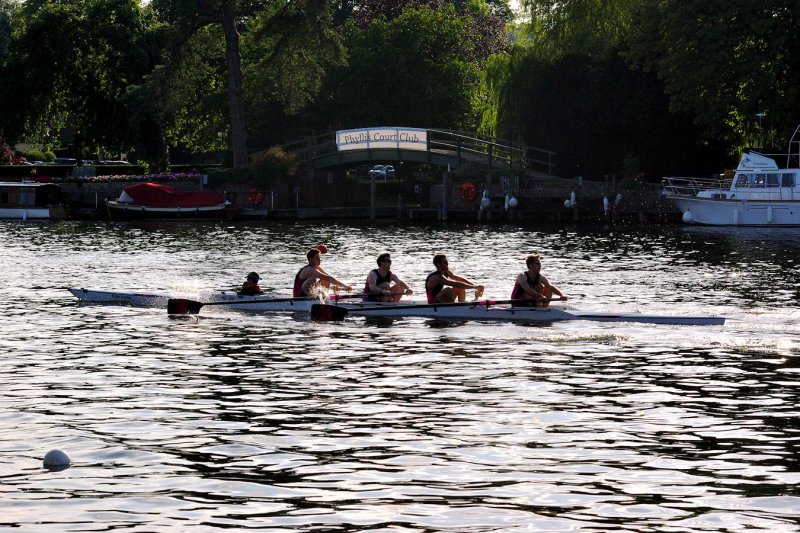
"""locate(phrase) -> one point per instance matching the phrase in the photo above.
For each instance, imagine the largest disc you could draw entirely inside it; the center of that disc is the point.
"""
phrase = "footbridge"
(432, 146)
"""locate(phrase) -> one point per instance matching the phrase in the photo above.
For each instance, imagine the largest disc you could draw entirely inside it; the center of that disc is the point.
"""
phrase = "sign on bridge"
(375, 138)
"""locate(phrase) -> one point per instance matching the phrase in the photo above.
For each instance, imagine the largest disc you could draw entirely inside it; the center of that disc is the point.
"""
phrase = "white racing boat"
(501, 310)
(132, 298)
(227, 299)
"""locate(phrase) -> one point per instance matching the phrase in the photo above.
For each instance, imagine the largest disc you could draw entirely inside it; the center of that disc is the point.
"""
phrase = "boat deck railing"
(690, 186)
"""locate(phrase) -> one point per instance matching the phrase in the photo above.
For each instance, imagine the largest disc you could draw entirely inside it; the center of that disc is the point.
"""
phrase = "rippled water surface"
(272, 422)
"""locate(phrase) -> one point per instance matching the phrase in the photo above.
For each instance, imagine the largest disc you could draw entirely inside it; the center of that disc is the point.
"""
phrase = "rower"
(442, 286)
(312, 280)
(383, 285)
(534, 286)
(250, 286)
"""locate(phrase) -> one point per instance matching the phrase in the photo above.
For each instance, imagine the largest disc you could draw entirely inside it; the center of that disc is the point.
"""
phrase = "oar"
(331, 312)
(182, 306)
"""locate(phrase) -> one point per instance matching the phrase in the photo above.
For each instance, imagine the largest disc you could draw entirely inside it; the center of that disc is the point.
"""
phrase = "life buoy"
(467, 191)
(256, 196)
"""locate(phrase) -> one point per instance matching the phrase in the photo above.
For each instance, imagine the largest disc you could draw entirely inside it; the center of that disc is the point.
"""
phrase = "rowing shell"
(554, 313)
(160, 299)
(132, 298)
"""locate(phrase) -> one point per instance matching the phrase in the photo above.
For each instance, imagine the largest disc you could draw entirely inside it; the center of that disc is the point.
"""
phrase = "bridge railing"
(513, 155)
(314, 146)
(466, 146)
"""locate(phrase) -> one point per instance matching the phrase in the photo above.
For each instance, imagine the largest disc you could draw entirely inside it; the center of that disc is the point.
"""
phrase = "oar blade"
(328, 313)
(181, 306)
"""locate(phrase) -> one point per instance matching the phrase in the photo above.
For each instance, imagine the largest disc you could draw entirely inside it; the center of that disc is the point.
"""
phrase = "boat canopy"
(157, 195)
(755, 161)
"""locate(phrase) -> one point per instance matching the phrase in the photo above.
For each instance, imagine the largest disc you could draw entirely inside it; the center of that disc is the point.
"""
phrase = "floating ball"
(322, 249)
(513, 202)
(567, 203)
(486, 202)
(688, 218)
(56, 460)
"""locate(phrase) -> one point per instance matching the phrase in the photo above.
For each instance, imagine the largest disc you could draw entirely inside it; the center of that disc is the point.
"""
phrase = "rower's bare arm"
(402, 284)
(458, 282)
(333, 281)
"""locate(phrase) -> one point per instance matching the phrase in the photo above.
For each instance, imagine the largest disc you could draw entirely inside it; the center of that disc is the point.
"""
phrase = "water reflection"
(227, 420)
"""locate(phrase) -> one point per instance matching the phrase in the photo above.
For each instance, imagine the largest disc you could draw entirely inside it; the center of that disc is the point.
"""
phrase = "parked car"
(382, 171)
(64, 161)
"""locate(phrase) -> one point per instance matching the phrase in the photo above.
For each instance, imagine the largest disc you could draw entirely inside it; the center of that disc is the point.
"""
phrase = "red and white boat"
(154, 201)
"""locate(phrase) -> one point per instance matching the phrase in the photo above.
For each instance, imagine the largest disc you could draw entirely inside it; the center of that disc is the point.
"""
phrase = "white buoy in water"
(618, 199)
(572, 198)
(505, 202)
(688, 217)
(56, 460)
(605, 204)
(513, 202)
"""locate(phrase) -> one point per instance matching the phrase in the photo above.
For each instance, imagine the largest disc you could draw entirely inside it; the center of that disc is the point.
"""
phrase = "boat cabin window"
(787, 180)
(27, 196)
(772, 180)
(743, 180)
(3, 196)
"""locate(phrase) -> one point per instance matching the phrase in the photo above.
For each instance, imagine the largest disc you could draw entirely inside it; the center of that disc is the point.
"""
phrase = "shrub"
(34, 155)
(7, 155)
(271, 166)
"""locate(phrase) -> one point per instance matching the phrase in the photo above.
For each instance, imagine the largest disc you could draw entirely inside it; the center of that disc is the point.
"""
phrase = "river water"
(272, 422)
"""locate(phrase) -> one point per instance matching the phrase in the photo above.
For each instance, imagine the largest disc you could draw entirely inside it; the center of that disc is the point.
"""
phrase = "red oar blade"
(328, 313)
(180, 306)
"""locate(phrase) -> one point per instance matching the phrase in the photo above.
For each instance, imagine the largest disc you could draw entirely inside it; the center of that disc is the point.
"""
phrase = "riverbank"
(594, 203)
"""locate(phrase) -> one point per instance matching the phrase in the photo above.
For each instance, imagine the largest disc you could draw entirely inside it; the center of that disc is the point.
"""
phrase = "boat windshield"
(757, 180)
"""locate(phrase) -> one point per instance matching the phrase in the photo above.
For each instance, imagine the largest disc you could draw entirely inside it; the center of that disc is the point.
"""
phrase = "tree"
(421, 68)
(185, 19)
(275, 53)
(724, 61)
(72, 62)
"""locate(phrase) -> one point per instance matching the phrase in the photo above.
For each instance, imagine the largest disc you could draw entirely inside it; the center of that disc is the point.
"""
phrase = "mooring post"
(445, 193)
(372, 196)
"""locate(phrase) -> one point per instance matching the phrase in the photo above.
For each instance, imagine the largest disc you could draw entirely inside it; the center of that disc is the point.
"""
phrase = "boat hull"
(554, 313)
(260, 304)
(124, 211)
(159, 299)
(33, 213)
(718, 212)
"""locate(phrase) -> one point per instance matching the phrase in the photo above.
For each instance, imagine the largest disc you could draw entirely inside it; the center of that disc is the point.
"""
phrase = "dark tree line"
(673, 84)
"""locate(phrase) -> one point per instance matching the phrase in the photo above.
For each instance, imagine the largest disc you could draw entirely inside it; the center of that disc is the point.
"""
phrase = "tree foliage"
(724, 61)
(72, 62)
(422, 68)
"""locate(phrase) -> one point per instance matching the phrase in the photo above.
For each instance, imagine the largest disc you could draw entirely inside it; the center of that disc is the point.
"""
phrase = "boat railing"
(690, 186)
